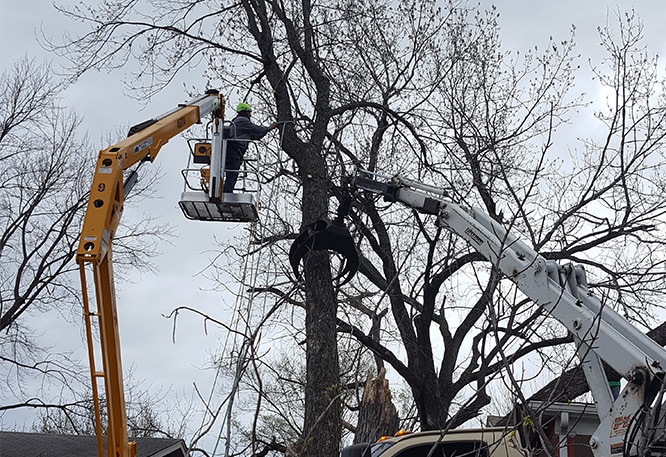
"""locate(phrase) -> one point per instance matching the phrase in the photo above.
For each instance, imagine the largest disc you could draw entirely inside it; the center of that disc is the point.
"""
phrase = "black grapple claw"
(325, 234)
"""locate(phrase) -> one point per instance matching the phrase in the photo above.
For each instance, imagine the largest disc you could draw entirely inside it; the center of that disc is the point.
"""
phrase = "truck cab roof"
(481, 442)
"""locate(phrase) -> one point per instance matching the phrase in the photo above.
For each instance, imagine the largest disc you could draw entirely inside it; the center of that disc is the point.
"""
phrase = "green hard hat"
(242, 106)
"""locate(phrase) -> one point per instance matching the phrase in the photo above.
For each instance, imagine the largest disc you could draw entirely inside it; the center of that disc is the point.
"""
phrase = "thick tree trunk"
(323, 425)
(322, 428)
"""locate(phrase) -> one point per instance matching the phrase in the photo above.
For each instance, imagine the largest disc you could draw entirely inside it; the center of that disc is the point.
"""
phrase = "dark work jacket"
(243, 128)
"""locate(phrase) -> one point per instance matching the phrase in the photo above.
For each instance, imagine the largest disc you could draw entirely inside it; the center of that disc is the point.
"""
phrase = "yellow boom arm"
(103, 213)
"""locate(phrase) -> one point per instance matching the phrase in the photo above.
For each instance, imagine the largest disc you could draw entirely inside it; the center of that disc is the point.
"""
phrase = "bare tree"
(493, 124)
(633, 114)
(405, 87)
(46, 164)
(43, 163)
(44, 169)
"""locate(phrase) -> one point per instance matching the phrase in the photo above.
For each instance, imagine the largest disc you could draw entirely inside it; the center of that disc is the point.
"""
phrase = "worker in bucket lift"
(243, 129)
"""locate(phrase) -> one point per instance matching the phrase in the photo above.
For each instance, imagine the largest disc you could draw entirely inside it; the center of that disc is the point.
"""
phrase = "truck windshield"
(377, 449)
(470, 448)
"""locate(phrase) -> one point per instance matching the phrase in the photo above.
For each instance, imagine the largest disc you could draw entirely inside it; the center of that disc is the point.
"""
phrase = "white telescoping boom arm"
(628, 423)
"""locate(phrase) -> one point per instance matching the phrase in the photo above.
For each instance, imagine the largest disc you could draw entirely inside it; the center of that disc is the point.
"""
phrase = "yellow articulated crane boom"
(103, 213)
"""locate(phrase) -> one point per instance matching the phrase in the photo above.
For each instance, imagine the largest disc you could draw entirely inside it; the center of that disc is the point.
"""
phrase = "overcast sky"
(146, 336)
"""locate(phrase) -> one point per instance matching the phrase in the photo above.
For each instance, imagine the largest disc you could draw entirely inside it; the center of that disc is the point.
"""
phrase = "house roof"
(20, 444)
